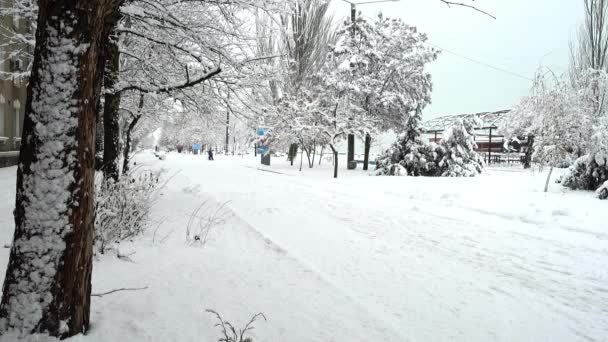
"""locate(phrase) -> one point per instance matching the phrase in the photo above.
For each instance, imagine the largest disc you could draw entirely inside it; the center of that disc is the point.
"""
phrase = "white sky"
(526, 34)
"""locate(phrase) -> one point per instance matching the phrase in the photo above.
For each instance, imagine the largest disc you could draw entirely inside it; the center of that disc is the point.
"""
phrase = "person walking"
(210, 152)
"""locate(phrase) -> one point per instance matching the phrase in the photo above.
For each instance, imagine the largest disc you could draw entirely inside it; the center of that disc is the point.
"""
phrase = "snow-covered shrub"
(123, 207)
(454, 156)
(587, 173)
(460, 158)
(412, 152)
(232, 334)
(414, 159)
(602, 191)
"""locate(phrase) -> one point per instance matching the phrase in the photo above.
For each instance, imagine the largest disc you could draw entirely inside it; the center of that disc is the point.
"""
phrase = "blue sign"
(262, 149)
(196, 147)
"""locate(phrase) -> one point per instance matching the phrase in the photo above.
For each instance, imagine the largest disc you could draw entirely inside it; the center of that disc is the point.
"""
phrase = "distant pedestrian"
(210, 153)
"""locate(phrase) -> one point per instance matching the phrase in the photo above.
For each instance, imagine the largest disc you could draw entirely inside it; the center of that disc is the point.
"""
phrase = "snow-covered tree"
(47, 285)
(565, 117)
(559, 115)
(460, 157)
(48, 280)
(454, 156)
(384, 63)
(411, 152)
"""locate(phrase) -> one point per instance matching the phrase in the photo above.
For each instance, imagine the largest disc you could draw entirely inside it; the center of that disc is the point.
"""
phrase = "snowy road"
(368, 259)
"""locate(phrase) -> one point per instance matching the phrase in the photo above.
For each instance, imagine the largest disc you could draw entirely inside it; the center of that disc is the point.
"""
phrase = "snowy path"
(362, 259)
(432, 269)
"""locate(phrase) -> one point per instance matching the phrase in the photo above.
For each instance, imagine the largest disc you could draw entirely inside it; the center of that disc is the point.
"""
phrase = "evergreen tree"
(412, 152)
(460, 159)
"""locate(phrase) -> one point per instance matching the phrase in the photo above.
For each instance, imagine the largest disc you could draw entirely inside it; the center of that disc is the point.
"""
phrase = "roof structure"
(489, 120)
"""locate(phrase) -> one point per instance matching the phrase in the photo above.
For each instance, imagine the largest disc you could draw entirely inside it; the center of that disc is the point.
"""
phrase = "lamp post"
(350, 156)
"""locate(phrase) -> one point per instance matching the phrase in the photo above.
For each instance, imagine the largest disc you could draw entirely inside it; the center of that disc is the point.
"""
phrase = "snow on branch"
(170, 88)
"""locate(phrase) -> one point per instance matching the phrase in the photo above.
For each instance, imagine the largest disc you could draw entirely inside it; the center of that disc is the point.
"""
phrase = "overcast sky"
(526, 34)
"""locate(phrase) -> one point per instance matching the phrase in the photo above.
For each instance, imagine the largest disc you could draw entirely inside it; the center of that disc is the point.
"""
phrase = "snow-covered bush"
(602, 191)
(454, 156)
(123, 207)
(587, 173)
(460, 158)
(415, 158)
(411, 152)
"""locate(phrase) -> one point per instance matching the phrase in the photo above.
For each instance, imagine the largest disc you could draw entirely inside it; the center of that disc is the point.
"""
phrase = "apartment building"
(13, 83)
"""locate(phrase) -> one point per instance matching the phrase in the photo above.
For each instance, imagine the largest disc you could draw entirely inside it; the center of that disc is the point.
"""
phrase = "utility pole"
(350, 155)
(227, 132)
(227, 124)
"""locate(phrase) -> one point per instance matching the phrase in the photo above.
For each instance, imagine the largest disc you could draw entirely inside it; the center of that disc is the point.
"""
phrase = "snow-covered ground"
(359, 258)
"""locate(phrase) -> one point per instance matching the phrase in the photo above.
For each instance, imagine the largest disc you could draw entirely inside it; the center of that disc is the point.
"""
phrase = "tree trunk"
(98, 139)
(314, 154)
(227, 132)
(127, 150)
(528, 154)
(111, 150)
(48, 280)
(368, 145)
(351, 148)
(307, 150)
(321, 154)
(101, 68)
(301, 157)
(335, 152)
(548, 179)
(293, 152)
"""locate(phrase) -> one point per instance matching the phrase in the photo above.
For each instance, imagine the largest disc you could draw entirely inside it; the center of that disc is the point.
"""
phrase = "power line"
(481, 63)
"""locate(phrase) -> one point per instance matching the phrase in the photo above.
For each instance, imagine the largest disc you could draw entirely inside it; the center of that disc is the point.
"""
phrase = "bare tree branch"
(451, 3)
(119, 290)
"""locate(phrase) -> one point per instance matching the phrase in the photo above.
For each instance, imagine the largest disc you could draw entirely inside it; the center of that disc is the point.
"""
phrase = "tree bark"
(48, 280)
(368, 145)
(111, 149)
